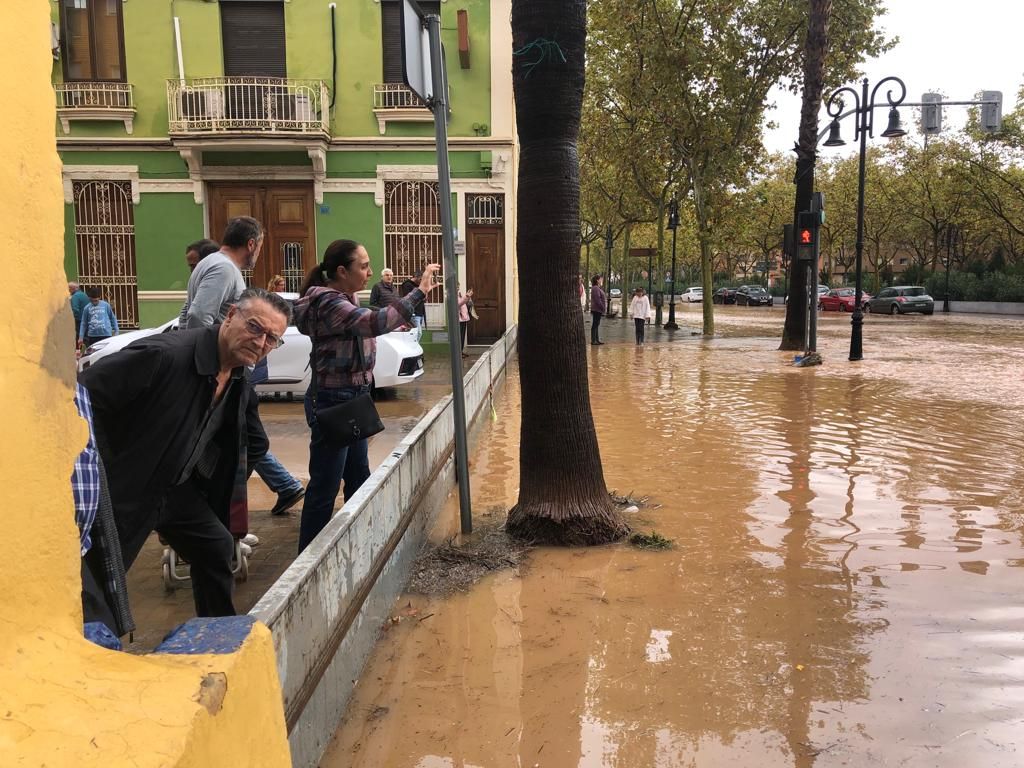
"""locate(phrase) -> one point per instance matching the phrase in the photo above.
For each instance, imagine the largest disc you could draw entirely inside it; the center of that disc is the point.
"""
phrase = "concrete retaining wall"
(984, 307)
(326, 610)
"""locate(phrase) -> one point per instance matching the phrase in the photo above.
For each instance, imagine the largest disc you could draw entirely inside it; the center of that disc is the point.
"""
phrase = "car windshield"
(914, 291)
(844, 292)
(757, 289)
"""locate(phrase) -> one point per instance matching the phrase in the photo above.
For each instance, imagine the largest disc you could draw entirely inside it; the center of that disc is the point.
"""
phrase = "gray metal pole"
(439, 106)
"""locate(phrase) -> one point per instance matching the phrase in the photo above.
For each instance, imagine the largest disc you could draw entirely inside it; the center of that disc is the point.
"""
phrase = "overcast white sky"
(955, 47)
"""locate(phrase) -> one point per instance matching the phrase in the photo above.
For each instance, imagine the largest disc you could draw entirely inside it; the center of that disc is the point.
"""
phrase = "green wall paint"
(154, 313)
(364, 164)
(162, 165)
(164, 224)
(354, 216)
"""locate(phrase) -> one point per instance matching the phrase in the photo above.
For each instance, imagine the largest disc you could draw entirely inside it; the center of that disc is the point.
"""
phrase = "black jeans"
(594, 336)
(639, 324)
(193, 530)
(463, 329)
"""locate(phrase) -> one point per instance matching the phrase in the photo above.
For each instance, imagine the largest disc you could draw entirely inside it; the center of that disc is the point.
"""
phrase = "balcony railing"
(247, 105)
(94, 101)
(395, 102)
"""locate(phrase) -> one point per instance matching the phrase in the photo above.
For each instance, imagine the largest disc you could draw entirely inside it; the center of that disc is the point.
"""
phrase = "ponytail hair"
(340, 253)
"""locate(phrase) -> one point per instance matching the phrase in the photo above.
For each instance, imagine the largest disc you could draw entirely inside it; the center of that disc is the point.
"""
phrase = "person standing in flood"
(598, 306)
(640, 309)
(343, 335)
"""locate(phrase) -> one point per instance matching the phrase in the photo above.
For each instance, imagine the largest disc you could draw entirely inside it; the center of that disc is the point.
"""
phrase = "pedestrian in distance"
(598, 306)
(384, 293)
(199, 250)
(343, 335)
(465, 300)
(213, 289)
(79, 301)
(276, 284)
(408, 285)
(640, 309)
(183, 474)
(98, 320)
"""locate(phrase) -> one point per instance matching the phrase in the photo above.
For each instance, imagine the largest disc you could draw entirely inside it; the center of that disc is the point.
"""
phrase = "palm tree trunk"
(815, 49)
(562, 494)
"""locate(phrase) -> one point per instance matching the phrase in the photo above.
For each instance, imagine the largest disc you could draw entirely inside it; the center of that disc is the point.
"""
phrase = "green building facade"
(176, 115)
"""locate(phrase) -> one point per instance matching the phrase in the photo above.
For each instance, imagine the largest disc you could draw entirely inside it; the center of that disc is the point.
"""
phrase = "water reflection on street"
(844, 590)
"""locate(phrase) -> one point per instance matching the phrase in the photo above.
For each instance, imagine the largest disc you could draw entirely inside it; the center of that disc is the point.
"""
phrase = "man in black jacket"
(170, 414)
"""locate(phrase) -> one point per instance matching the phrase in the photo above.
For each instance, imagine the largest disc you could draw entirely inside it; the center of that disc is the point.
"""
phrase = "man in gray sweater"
(214, 287)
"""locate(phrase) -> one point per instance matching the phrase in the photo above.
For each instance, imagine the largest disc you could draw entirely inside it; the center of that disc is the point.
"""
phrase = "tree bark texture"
(815, 51)
(563, 499)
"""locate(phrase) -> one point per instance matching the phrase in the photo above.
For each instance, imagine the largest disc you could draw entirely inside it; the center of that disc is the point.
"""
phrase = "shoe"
(244, 549)
(287, 500)
(251, 540)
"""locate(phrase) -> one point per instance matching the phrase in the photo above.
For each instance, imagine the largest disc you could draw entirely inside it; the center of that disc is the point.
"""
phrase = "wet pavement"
(157, 611)
(844, 588)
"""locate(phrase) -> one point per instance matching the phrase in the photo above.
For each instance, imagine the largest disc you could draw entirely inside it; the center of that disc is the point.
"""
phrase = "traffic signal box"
(807, 240)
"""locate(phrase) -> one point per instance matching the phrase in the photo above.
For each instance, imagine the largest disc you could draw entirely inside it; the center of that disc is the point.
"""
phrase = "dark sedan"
(754, 296)
(724, 296)
(901, 299)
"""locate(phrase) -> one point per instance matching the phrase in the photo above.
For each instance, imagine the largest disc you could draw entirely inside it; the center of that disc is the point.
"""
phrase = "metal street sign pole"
(439, 106)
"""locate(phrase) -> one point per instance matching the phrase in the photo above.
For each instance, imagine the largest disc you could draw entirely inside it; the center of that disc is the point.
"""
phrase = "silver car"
(901, 299)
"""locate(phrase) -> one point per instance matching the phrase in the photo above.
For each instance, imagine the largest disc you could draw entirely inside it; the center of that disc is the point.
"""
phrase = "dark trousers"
(464, 329)
(191, 527)
(328, 467)
(638, 323)
(594, 337)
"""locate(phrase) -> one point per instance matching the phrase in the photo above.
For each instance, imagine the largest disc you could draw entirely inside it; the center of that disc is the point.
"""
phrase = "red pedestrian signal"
(806, 237)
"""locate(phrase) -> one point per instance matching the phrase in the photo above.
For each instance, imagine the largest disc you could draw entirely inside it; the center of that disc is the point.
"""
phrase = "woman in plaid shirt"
(329, 311)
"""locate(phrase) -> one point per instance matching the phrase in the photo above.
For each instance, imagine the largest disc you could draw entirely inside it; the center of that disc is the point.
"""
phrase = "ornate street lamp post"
(673, 224)
(864, 116)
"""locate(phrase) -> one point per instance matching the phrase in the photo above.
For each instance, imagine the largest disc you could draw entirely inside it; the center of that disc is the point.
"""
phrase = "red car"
(841, 300)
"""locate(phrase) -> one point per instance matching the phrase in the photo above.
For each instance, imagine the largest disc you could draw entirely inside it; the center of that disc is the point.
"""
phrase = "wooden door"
(286, 212)
(485, 274)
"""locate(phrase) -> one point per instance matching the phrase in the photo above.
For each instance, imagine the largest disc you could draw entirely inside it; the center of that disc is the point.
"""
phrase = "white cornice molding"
(194, 160)
(163, 295)
(148, 186)
(73, 173)
(499, 181)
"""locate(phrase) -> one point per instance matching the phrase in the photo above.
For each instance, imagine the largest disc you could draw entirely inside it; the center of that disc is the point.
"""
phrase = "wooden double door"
(286, 212)
(485, 274)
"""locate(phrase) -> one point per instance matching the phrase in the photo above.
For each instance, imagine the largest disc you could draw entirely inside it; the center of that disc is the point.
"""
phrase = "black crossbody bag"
(349, 422)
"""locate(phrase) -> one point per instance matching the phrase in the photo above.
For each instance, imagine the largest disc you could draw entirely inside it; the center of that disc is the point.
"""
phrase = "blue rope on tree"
(541, 48)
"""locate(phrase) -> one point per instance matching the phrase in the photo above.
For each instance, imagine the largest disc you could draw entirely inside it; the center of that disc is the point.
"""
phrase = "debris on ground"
(630, 501)
(805, 361)
(652, 540)
(455, 567)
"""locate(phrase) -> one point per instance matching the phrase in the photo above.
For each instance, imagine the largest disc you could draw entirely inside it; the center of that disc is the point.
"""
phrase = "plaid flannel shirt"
(340, 324)
(85, 478)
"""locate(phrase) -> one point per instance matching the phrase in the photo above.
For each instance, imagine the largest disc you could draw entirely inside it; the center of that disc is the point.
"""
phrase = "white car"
(690, 295)
(399, 358)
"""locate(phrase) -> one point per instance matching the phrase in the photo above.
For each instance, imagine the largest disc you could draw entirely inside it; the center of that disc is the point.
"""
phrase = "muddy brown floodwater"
(845, 587)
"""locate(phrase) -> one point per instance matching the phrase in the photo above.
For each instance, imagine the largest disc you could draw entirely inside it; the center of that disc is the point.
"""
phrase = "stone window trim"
(72, 173)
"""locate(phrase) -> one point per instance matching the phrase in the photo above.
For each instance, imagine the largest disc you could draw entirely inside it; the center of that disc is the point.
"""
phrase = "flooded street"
(844, 590)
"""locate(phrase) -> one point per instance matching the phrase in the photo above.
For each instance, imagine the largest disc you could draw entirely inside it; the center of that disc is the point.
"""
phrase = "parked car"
(901, 299)
(399, 357)
(754, 296)
(842, 300)
(822, 290)
(692, 294)
(615, 293)
(724, 296)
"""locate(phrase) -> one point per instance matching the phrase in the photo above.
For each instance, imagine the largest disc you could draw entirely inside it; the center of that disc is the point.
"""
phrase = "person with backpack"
(98, 320)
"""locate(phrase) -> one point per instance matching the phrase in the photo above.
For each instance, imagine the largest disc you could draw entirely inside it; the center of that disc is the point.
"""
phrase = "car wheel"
(929, 312)
(894, 309)
(867, 307)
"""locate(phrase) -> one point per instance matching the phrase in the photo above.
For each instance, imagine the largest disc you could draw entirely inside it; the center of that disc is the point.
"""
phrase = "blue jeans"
(277, 478)
(328, 466)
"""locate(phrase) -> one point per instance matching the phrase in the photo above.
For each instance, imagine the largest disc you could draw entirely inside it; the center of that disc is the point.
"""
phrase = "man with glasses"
(170, 414)
(215, 285)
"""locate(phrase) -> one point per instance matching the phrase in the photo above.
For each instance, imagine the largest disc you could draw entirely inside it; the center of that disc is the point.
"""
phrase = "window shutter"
(253, 37)
(391, 35)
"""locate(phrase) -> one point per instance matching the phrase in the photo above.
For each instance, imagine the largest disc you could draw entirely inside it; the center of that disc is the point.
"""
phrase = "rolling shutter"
(253, 37)
(391, 35)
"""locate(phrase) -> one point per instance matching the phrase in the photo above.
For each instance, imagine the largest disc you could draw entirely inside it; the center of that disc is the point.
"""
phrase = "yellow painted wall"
(64, 701)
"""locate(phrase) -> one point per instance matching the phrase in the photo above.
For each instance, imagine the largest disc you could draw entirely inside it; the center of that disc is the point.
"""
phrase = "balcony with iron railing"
(95, 101)
(395, 102)
(239, 106)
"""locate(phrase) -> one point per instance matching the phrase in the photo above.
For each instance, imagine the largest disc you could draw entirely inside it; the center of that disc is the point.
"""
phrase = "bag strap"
(356, 340)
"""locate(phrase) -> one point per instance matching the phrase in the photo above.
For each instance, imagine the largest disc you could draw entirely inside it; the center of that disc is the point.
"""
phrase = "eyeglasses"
(255, 329)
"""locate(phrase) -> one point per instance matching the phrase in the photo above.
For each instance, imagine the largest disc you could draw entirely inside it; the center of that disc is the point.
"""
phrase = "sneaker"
(287, 500)
(244, 549)
(251, 540)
